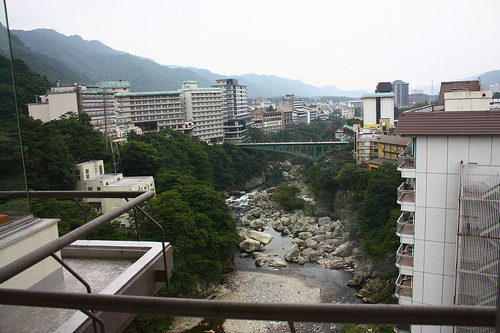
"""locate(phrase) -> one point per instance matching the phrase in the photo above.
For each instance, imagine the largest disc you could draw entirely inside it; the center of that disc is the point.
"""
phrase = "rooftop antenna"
(432, 91)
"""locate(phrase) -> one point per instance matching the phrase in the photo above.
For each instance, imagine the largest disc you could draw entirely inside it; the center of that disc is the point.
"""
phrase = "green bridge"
(313, 151)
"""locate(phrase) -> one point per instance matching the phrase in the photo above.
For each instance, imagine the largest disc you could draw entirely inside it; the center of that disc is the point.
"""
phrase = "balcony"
(35, 260)
(405, 228)
(404, 286)
(406, 197)
(406, 165)
(404, 256)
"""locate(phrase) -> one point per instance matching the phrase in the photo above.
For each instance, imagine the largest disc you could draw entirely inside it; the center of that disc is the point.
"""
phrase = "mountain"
(98, 62)
(72, 59)
(260, 85)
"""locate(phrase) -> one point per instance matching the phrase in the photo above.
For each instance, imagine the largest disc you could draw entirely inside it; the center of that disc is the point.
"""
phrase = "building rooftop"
(373, 95)
(449, 122)
(457, 85)
(393, 140)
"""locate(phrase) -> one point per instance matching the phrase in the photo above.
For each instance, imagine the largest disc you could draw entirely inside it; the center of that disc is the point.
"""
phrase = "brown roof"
(457, 85)
(393, 140)
(449, 122)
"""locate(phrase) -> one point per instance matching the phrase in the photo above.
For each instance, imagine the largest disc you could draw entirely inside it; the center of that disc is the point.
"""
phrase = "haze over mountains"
(72, 59)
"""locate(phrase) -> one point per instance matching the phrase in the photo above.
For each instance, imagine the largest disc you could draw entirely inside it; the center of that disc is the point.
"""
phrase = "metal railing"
(334, 313)
(406, 193)
(406, 162)
(404, 286)
(405, 224)
(404, 255)
(16, 267)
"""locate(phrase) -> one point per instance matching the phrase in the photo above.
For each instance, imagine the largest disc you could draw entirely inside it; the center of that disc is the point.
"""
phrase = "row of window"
(165, 107)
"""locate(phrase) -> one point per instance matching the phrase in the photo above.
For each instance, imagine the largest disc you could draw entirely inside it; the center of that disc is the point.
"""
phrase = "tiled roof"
(453, 85)
(393, 140)
(449, 122)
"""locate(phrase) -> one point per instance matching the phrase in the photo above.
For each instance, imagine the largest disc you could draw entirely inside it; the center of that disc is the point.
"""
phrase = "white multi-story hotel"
(203, 109)
(196, 111)
(96, 101)
(450, 228)
(236, 114)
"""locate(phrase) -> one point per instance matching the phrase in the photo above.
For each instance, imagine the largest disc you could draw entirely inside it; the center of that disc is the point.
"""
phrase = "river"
(332, 283)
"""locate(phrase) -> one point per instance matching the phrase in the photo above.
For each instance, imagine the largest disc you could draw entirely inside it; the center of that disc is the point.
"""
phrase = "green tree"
(49, 163)
(197, 223)
(285, 195)
(84, 143)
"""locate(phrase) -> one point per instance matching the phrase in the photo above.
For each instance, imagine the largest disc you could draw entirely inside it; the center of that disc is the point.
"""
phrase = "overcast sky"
(349, 44)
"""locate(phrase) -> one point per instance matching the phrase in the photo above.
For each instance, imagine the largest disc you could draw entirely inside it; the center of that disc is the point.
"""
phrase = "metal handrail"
(323, 312)
(16, 267)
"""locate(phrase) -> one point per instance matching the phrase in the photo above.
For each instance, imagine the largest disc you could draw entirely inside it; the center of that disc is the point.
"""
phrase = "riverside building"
(449, 229)
(193, 110)
(96, 101)
(236, 115)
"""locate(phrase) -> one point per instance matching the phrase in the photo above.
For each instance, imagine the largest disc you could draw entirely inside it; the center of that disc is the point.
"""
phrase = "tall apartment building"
(291, 102)
(401, 93)
(196, 111)
(96, 101)
(236, 115)
(449, 228)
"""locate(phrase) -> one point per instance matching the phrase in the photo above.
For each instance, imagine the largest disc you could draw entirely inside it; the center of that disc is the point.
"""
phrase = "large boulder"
(286, 166)
(324, 220)
(261, 237)
(310, 255)
(241, 233)
(257, 224)
(311, 243)
(293, 253)
(249, 245)
(277, 262)
(301, 223)
(343, 250)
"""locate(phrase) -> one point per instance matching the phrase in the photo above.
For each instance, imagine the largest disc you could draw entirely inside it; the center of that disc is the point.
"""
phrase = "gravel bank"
(257, 287)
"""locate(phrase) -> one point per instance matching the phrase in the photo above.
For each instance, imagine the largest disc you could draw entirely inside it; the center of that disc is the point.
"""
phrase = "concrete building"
(153, 111)
(449, 228)
(378, 110)
(203, 108)
(388, 150)
(193, 110)
(91, 177)
(96, 101)
(301, 115)
(236, 115)
(291, 102)
(366, 146)
(401, 93)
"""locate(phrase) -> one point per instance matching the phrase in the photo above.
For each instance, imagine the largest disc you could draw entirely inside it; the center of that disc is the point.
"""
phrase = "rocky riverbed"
(318, 240)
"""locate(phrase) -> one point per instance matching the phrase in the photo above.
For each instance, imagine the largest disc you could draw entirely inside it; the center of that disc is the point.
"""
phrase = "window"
(98, 188)
(100, 170)
(89, 188)
(87, 174)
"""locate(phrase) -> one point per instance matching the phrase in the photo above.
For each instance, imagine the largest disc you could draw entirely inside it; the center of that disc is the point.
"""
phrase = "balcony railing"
(406, 193)
(404, 256)
(406, 162)
(334, 313)
(405, 224)
(404, 286)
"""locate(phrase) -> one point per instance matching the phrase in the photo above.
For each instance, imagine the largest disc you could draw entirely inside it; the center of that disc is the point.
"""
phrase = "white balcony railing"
(404, 256)
(404, 286)
(405, 224)
(406, 193)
